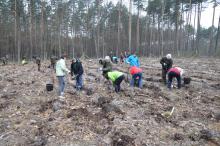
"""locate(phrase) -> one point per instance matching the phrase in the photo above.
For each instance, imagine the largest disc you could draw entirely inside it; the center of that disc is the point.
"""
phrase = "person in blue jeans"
(77, 70)
(61, 72)
(136, 73)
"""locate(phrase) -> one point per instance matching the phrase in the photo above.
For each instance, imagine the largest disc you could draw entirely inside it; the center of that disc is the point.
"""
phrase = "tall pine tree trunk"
(211, 33)
(129, 26)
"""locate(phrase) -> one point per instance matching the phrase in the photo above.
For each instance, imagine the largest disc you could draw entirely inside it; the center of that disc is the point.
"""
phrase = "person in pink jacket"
(175, 72)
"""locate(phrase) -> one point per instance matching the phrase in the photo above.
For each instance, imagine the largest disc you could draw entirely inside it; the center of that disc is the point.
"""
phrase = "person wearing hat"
(106, 64)
(77, 70)
(175, 72)
(61, 71)
(116, 77)
(166, 63)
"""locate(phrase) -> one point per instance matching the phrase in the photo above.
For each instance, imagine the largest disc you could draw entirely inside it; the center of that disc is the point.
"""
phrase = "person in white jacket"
(61, 71)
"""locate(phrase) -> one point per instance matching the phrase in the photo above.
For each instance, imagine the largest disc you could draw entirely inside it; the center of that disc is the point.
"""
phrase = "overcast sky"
(206, 16)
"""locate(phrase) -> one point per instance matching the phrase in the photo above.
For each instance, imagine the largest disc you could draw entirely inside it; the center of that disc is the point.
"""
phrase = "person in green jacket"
(61, 71)
(116, 77)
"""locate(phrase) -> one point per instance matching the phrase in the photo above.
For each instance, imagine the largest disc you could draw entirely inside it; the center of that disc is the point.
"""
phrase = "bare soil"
(97, 116)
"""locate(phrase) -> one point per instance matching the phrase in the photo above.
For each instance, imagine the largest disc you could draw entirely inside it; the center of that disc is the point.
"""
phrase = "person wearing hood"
(106, 64)
(133, 60)
(166, 63)
(175, 72)
(77, 70)
(61, 71)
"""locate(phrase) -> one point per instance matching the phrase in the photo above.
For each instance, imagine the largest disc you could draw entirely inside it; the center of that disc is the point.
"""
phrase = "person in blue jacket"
(133, 60)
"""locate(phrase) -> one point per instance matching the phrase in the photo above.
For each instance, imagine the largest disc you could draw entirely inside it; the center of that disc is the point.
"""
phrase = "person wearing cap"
(175, 72)
(106, 64)
(133, 60)
(166, 63)
(77, 70)
(136, 73)
(61, 71)
(116, 77)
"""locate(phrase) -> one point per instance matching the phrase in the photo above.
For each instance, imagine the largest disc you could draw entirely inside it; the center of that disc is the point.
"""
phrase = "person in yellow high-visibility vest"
(116, 77)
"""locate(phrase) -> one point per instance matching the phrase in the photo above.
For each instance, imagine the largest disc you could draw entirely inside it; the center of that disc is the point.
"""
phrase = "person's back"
(61, 67)
(107, 66)
(133, 60)
(77, 68)
(113, 75)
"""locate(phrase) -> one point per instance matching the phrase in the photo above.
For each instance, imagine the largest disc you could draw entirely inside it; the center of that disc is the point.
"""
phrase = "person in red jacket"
(175, 72)
(136, 73)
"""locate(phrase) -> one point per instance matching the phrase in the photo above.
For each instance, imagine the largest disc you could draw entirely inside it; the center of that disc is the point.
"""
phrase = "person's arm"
(127, 60)
(64, 68)
(161, 61)
(71, 69)
(108, 67)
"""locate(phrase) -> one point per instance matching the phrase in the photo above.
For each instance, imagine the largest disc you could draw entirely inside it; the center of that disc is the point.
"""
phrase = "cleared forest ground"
(29, 115)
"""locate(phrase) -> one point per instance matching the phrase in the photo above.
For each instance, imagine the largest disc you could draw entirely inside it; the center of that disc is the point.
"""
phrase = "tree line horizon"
(94, 28)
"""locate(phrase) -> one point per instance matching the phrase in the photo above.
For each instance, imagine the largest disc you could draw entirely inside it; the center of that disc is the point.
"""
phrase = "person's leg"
(60, 85)
(170, 78)
(38, 67)
(140, 80)
(79, 82)
(118, 83)
(132, 81)
(63, 85)
(178, 77)
(164, 75)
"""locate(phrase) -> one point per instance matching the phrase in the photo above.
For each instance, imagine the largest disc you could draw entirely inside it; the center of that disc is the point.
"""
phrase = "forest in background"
(93, 28)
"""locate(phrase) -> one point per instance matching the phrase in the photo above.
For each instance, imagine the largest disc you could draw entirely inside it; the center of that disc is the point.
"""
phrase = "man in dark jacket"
(38, 61)
(53, 60)
(77, 70)
(166, 63)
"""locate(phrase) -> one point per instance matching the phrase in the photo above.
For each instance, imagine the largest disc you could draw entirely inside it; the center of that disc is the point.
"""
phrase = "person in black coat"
(166, 63)
(77, 73)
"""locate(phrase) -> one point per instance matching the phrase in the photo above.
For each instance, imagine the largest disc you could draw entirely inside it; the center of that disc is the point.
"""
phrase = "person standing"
(77, 70)
(166, 63)
(37, 61)
(61, 71)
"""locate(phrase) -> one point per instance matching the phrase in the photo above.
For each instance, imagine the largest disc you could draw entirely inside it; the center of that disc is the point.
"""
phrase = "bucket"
(49, 87)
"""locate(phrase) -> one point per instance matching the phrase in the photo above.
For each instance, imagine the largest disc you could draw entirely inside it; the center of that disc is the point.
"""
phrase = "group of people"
(116, 77)
(76, 73)
(169, 72)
